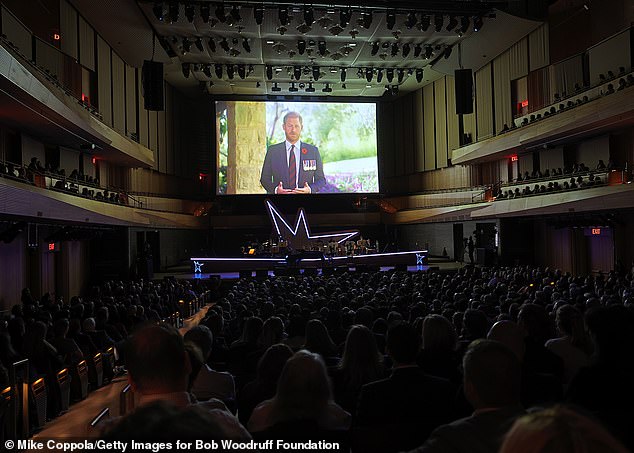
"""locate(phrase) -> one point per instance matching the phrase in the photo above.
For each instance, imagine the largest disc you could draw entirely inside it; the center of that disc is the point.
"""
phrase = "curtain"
(610, 55)
(143, 115)
(453, 133)
(118, 94)
(419, 124)
(484, 106)
(539, 48)
(68, 29)
(502, 91)
(130, 99)
(538, 89)
(86, 45)
(104, 77)
(429, 129)
(440, 110)
(518, 59)
(17, 33)
(565, 75)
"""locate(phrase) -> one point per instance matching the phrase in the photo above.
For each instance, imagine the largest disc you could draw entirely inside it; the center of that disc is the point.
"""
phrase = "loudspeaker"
(152, 80)
(464, 91)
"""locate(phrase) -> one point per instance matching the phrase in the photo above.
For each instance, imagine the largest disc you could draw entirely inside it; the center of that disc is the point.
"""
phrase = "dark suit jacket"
(275, 168)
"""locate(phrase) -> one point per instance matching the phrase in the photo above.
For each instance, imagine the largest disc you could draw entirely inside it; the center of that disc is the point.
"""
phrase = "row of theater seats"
(560, 184)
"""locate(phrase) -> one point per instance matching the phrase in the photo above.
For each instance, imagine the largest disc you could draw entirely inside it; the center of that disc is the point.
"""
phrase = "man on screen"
(292, 167)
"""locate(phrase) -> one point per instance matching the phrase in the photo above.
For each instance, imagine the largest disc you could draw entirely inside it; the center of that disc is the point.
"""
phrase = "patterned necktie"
(292, 171)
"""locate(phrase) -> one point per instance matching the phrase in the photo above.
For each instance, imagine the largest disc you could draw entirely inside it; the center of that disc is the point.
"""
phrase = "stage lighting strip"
(413, 252)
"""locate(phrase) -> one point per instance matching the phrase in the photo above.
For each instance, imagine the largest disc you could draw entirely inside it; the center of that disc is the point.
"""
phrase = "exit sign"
(596, 231)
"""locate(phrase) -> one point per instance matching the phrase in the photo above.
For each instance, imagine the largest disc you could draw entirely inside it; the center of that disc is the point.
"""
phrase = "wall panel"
(429, 127)
(440, 112)
(68, 29)
(104, 80)
(86, 44)
(484, 106)
(17, 33)
(118, 94)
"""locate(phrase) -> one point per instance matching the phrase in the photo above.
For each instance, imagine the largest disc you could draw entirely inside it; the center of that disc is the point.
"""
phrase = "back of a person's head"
(438, 334)
(60, 327)
(156, 360)
(361, 360)
(510, 335)
(534, 319)
(317, 337)
(272, 362)
(303, 389)
(492, 375)
(251, 330)
(559, 430)
(272, 332)
(89, 325)
(474, 324)
(202, 337)
(364, 316)
(403, 343)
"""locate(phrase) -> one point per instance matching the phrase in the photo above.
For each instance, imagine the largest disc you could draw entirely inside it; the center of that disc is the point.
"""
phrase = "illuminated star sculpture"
(198, 267)
(300, 236)
(419, 258)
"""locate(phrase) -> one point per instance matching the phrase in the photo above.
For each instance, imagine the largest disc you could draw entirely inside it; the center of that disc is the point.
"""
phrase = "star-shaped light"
(198, 267)
(419, 258)
(301, 232)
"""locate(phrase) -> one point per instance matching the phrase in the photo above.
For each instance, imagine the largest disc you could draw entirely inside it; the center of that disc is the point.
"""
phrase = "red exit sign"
(514, 158)
(596, 231)
(524, 104)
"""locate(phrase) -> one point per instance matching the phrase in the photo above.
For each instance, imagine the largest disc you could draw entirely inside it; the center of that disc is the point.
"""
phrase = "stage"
(201, 266)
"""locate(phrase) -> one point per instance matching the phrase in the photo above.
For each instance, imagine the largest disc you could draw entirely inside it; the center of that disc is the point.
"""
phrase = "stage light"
(310, 88)
(390, 20)
(316, 73)
(419, 75)
(218, 70)
(375, 48)
(447, 52)
(309, 15)
(269, 72)
(301, 46)
(389, 73)
(207, 70)
(242, 71)
(406, 49)
(190, 12)
(235, 14)
(425, 22)
(187, 45)
(230, 71)
(205, 12)
(345, 14)
(258, 14)
(297, 72)
(282, 13)
(276, 88)
(293, 88)
(327, 88)
(186, 70)
(343, 74)
(477, 23)
(369, 74)
(173, 11)
(464, 24)
(212, 44)
(453, 23)
(224, 45)
(220, 13)
(411, 20)
(394, 51)
(157, 9)
(439, 21)
(379, 76)
(401, 75)
(394, 91)
(321, 48)
(199, 44)
(367, 20)
(417, 50)
(246, 45)
(429, 52)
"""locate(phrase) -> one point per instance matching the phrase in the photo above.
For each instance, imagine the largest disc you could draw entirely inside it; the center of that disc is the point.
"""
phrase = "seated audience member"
(492, 385)
(574, 346)
(361, 364)
(99, 337)
(265, 384)
(399, 412)
(533, 319)
(559, 429)
(66, 347)
(42, 355)
(318, 340)
(605, 387)
(303, 394)
(247, 344)
(438, 355)
(209, 383)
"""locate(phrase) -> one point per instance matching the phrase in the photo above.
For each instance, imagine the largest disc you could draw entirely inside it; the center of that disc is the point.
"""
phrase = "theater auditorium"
(348, 226)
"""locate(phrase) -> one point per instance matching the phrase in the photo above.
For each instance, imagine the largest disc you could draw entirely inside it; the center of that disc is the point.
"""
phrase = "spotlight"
(230, 71)
(310, 88)
(190, 12)
(419, 75)
(344, 17)
(301, 46)
(453, 23)
(316, 73)
(297, 72)
(477, 23)
(390, 20)
(411, 20)
(242, 71)
(309, 15)
(321, 48)
(173, 10)
(205, 13)
(406, 49)
(218, 70)
(394, 51)
(439, 21)
(269, 72)
(367, 20)
(235, 14)
(199, 44)
(157, 9)
(293, 88)
(186, 70)
(187, 45)
(401, 75)
(447, 52)
(417, 50)
(224, 45)
(246, 45)
(429, 52)
(212, 44)
(327, 88)
(258, 14)
(379, 76)
(369, 74)
(425, 21)
(220, 13)
(343, 74)
(389, 74)
(375, 48)
(464, 24)
(283, 15)
(394, 91)
(276, 88)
